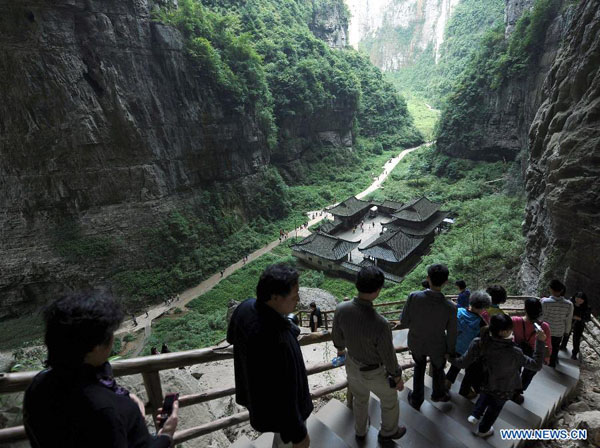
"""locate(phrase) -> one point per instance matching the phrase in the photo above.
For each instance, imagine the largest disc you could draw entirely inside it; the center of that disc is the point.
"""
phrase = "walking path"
(208, 284)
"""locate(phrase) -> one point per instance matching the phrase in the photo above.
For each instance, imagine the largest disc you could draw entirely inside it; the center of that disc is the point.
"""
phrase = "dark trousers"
(526, 377)
(452, 373)
(577, 330)
(437, 374)
(489, 407)
(473, 379)
(555, 349)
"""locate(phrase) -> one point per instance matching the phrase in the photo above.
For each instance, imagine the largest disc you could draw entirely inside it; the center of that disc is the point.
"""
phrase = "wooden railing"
(327, 315)
(150, 366)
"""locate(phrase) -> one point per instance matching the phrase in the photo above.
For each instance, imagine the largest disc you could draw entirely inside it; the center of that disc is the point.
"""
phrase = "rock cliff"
(563, 175)
(106, 126)
(395, 32)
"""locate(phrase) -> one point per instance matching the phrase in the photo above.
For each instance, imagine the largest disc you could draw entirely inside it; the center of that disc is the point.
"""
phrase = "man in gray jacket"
(371, 364)
(431, 323)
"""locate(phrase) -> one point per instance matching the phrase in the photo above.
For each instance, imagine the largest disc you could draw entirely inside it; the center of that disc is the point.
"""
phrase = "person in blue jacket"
(470, 323)
(462, 301)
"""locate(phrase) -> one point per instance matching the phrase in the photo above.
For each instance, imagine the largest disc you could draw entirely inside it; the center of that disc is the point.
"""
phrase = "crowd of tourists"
(76, 401)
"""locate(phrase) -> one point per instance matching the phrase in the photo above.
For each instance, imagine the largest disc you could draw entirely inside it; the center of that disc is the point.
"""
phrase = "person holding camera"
(76, 402)
(371, 364)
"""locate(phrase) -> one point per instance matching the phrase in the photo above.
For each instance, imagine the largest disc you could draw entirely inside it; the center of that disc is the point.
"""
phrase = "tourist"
(431, 323)
(524, 336)
(153, 351)
(558, 312)
(223, 272)
(503, 361)
(270, 376)
(469, 327)
(371, 359)
(498, 295)
(134, 320)
(581, 315)
(164, 349)
(147, 315)
(425, 285)
(462, 301)
(315, 317)
(76, 402)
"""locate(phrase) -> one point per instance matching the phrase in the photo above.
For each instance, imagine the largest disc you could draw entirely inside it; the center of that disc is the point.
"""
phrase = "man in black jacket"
(270, 376)
(76, 402)
(315, 317)
(431, 323)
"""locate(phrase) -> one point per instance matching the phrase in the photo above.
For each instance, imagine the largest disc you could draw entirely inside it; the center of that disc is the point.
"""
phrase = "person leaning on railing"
(76, 402)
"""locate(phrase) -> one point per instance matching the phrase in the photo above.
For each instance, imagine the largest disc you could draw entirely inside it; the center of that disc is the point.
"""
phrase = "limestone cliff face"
(514, 10)
(330, 24)
(403, 28)
(106, 123)
(563, 177)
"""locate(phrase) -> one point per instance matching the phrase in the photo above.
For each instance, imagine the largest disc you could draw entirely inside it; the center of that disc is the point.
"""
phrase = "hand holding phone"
(167, 408)
(537, 327)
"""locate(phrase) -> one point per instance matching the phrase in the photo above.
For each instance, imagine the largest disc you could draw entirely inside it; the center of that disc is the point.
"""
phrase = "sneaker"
(472, 394)
(444, 398)
(518, 398)
(413, 405)
(360, 438)
(574, 356)
(399, 433)
(472, 420)
(485, 434)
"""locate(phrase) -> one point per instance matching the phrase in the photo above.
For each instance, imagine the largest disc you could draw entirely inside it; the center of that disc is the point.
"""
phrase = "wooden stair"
(441, 425)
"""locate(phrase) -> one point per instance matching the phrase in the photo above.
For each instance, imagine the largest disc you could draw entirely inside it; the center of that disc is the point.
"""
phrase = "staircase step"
(459, 409)
(567, 365)
(339, 418)
(320, 435)
(242, 442)
(432, 431)
(455, 428)
(544, 395)
(512, 413)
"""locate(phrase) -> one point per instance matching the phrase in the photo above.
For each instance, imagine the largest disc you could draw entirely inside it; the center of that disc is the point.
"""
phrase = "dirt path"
(208, 284)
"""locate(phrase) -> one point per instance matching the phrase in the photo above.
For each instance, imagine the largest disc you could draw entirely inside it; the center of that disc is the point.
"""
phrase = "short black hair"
(438, 274)
(557, 285)
(425, 284)
(312, 305)
(500, 322)
(369, 279)
(533, 308)
(278, 279)
(497, 293)
(461, 284)
(78, 322)
(480, 300)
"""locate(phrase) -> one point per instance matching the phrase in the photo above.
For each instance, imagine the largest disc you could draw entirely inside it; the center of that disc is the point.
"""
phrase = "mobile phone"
(537, 326)
(391, 381)
(167, 408)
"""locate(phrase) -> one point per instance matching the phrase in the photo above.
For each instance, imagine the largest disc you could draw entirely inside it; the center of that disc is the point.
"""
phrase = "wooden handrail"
(18, 382)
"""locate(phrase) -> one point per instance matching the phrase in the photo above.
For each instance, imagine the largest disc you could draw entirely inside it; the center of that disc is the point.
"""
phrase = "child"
(581, 314)
(498, 295)
(502, 361)
(470, 323)
(558, 312)
(462, 301)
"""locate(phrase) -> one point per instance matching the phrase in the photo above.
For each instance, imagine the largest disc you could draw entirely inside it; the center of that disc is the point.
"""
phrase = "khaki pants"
(361, 384)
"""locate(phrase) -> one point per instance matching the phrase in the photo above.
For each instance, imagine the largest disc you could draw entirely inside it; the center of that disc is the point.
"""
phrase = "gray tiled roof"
(356, 268)
(392, 246)
(326, 246)
(393, 205)
(418, 228)
(349, 207)
(418, 210)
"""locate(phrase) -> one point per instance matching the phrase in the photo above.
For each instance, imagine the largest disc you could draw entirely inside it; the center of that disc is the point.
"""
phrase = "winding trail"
(208, 284)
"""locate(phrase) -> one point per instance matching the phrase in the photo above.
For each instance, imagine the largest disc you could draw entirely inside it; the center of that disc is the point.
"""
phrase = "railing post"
(154, 391)
(326, 321)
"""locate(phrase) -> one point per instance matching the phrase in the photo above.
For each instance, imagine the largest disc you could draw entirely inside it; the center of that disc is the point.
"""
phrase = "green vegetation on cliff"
(496, 60)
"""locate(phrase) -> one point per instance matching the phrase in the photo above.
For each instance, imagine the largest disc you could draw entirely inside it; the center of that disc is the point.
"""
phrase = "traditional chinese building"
(395, 252)
(350, 212)
(324, 251)
(418, 218)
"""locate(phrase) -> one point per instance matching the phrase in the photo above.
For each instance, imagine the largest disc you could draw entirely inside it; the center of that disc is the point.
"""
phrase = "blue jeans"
(489, 407)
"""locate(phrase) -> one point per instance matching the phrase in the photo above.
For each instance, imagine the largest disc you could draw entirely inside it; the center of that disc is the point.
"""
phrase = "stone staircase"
(441, 425)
